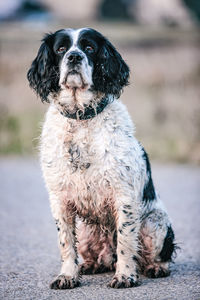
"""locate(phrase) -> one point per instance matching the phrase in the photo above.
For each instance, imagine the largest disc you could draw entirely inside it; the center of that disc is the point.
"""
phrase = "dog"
(96, 172)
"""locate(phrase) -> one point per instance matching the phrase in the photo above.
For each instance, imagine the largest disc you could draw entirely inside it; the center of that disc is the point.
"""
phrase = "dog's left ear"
(112, 73)
(43, 73)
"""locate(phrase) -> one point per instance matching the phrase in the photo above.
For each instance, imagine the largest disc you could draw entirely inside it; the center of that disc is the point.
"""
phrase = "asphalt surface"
(29, 256)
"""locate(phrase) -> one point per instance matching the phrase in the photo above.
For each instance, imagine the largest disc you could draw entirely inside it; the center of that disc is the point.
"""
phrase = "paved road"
(29, 257)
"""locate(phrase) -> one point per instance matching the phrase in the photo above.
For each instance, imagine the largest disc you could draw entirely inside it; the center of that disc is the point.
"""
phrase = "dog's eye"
(89, 49)
(61, 49)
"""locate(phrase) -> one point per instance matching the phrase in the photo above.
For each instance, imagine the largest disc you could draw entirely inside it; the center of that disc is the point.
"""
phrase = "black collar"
(89, 112)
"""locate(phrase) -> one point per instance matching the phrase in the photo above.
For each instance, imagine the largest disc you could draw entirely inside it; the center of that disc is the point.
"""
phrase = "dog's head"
(77, 64)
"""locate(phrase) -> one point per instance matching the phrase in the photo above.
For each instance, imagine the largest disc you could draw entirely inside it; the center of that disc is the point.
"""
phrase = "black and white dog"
(94, 167)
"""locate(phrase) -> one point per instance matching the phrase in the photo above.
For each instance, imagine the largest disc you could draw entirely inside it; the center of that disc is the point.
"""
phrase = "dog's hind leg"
(157, 244)
(97, 248)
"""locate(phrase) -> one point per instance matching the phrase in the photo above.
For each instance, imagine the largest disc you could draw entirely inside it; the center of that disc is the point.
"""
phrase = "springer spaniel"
(97, 174)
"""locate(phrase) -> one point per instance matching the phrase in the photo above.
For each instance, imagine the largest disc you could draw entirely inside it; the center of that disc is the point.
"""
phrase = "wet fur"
(95, 169)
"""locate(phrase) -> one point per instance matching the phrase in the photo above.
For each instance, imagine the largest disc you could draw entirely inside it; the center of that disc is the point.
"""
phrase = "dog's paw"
(86, 269)
(154, 272)
(64, 282)
(123, 281)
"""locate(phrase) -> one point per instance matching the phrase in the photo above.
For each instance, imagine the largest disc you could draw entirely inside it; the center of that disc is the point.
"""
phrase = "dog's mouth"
(74, 80)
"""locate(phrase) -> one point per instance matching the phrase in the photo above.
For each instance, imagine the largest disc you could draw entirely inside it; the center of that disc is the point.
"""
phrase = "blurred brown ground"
(163, 97)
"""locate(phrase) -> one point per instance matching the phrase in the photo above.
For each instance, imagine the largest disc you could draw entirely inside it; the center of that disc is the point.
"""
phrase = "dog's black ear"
(111, 73)
(43, 74)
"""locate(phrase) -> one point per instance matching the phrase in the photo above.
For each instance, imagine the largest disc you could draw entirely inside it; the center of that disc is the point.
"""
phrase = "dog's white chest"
(86, 159)
(75, 159)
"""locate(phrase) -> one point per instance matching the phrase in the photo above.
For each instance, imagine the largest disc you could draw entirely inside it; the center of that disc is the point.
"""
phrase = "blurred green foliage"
(19, 133)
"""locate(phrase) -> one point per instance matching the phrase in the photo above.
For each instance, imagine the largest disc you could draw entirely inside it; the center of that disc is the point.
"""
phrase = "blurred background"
(159, 40)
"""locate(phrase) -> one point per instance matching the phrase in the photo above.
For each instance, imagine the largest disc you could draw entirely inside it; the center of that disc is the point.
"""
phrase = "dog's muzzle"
(73, 75)
(74, 72)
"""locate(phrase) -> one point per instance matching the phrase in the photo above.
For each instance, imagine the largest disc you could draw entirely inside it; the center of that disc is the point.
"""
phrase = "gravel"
(29, 257)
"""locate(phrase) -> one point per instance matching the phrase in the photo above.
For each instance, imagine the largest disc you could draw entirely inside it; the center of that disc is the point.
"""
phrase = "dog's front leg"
(127, 224)
(65, 222)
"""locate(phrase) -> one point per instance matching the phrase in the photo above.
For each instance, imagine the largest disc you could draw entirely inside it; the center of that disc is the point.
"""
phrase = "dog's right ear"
(43, 74)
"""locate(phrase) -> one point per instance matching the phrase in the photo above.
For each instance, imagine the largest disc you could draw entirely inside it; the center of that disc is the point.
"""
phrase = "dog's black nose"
(74, 57)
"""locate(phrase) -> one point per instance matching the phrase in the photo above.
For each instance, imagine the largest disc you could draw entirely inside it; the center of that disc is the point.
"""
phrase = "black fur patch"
(168, 246)
(134, 258)
(149, 191)
(43, 74)
(127, 224)
(114, 257)
(127, 206)
(111, 73)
